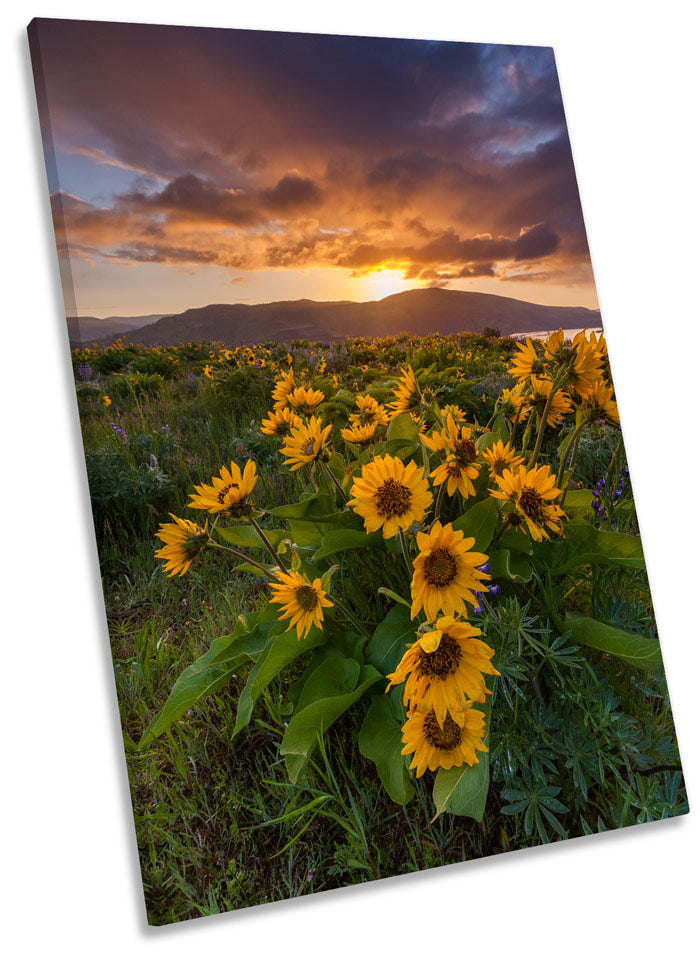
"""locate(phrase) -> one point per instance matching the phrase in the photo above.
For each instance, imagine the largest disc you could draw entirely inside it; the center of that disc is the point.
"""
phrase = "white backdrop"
(70, 872)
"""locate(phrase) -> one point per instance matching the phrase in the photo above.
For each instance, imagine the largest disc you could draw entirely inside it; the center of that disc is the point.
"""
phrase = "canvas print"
(372, 571)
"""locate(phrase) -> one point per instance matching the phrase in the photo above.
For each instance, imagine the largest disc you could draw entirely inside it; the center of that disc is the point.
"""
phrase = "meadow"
(265, 758)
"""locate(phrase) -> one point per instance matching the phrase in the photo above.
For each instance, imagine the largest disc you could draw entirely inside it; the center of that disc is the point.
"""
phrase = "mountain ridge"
(420, 311)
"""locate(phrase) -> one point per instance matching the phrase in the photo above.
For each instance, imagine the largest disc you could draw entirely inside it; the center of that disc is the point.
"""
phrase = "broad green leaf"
(380, 741)
(583, 543)
(463, 790)
(248, 536)
(507, 564)
(281, 650)
(341, 643)
(402, 427)
(479, 522)
(333, 676)
(401, 448)
(578, 503)
(486, 440)
(313, 720)
(639, 651)
(390, 639)
(207, 675)
(515, 539)
(320, 508)
(339, 540)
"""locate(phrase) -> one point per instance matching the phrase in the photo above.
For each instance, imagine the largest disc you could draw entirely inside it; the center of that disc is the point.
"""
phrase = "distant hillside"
(421, 312)
(86, 329)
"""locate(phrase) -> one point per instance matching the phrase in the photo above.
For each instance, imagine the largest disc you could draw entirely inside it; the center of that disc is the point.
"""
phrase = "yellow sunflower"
(407, 393)
(283, 386)
(532, 493)
(501, 456)
(390, 495)
(560, 405)
(371, 411)
(514, 404)
(183, 541)
(360, 435)
(280, 422)
(304, 400)
(599, 403)
(436, 441)
(583, 359)
(228, 492)
(301, 602)
(305, 442)
(459, 415)
(445, 573)
(526, 361)
(455, 742)
(443, 666)
(456, 476)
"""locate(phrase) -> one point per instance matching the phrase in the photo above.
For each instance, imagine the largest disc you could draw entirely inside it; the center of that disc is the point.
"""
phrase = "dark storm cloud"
(296, 150)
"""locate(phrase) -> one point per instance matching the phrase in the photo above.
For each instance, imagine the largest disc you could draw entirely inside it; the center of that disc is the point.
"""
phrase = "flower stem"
(240, 555)
(497, 538)
(346, 613)
(404, 550)
(572, 445)
(556, 385)
(438, 500)
(273, 553)
(331, 476)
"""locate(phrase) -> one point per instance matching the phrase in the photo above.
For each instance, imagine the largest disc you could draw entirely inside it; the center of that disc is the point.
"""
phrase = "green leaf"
(639, 651)
(402, 427)
(281, 650)
(584, 543)
(479, 522)
(314, 719)
(463, 790)
(578, 503)
(507, 564)
(380, 741)
(401, 448)
(249, 536)
(389, 640)
(334, 676)
(320, 508)
(339, 540)
(207, 675)
(341, 643)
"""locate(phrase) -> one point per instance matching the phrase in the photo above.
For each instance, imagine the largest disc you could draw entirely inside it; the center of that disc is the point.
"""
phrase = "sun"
(384, 281)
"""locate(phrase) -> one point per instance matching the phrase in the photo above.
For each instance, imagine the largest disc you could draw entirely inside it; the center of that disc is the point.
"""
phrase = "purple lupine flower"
(486, 568)
(165, 428)
(494, 589)
(85, 371)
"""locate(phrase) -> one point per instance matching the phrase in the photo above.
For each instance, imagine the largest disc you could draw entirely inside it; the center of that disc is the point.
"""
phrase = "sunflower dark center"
(440, 567)
(499, 465)
(221, 495)
(309, 446)
(532, 504)
(465, 451)
(441, 663)
(393, 498)
(307, 597)
(444, 738)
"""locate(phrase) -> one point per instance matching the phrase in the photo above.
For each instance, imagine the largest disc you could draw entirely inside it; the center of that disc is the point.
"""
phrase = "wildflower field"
(374, 606)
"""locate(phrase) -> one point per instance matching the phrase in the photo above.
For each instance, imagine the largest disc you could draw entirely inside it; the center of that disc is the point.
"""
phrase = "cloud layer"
(259, 151)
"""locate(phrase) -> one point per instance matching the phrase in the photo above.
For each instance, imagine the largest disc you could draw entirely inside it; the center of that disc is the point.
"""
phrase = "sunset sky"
(189, 166)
